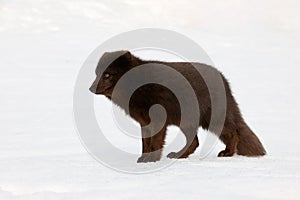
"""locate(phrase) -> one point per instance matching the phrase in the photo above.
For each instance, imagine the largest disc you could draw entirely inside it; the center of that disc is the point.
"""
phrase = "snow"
(43, 44)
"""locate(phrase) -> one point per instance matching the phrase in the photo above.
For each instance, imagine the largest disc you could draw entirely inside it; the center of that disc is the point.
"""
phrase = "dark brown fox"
(235, 133)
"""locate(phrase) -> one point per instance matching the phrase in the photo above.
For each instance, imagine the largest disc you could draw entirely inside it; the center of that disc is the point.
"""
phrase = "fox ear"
(127, 56)
(128, 60)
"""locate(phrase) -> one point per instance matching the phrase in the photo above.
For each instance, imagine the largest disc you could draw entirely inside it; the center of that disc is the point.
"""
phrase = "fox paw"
(225, 153)
(148, 158)
(176, 155)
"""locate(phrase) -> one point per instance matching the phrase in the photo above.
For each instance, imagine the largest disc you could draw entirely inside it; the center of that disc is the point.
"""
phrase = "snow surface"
(43, 44)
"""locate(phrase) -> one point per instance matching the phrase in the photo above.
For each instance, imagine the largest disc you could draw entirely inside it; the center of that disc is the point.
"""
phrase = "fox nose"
(93, 89)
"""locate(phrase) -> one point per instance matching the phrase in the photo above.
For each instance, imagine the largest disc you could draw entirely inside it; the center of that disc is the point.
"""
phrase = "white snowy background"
(43, 43)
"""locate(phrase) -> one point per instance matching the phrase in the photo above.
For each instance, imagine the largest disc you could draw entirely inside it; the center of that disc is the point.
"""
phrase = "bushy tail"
(249, 144)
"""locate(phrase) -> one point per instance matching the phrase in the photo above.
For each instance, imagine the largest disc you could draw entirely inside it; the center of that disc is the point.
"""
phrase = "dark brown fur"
(236, 135)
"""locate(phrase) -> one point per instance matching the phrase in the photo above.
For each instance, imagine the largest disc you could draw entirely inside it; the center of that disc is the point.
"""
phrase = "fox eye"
(106, 75)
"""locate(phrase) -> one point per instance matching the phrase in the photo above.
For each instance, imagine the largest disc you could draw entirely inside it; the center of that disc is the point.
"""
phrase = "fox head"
(111, 67)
